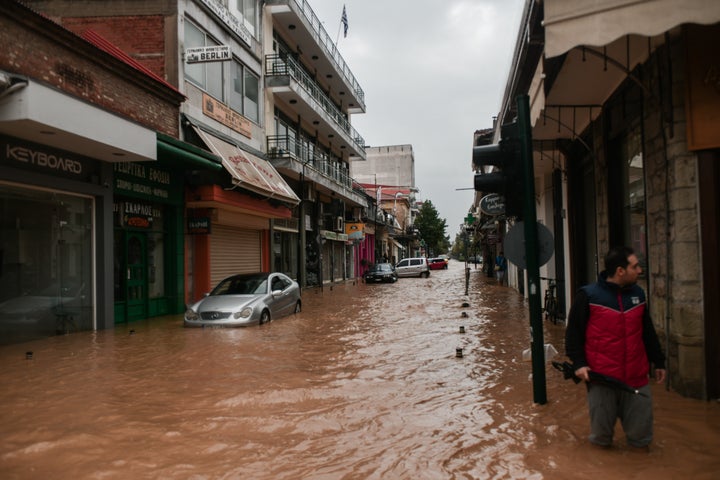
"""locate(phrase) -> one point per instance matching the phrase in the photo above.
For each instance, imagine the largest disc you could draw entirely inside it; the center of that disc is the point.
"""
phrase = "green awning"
(174, 151)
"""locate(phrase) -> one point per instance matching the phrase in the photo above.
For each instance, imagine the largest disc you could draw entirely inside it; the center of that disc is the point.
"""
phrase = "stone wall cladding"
(673, 272)
(675, 292)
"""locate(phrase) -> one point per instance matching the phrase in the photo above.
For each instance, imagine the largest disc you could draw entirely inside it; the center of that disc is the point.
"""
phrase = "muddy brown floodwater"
(363, 384)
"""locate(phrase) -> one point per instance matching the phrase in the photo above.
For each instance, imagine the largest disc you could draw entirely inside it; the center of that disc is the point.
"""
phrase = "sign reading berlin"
(213, 53)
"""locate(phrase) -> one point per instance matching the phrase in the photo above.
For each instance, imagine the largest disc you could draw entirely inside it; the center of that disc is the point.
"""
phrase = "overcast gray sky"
(433, 72)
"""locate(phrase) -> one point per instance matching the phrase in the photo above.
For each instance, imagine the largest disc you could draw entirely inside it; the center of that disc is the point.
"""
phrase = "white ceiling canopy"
(571, 23)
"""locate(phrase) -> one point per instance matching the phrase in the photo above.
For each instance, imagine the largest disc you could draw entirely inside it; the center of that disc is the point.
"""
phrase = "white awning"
(571, 23)
(249, 171)
(35, 112)
(397, 244)
(537, 94)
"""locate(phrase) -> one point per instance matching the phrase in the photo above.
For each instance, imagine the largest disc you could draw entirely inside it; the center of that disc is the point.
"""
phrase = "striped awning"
(249, 171)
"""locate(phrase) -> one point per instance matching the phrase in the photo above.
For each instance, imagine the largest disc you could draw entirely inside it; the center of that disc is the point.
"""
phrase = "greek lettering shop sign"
(137, 214)
(199, 225)
(147, 182)
(231, 21)
(46, 160)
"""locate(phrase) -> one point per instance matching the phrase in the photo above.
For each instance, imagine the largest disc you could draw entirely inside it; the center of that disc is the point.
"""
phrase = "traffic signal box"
(506, 178)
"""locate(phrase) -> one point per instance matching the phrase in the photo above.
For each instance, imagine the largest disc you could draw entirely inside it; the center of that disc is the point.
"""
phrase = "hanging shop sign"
(355, 231)
(212, 53)
(703, 88)
(492, 204)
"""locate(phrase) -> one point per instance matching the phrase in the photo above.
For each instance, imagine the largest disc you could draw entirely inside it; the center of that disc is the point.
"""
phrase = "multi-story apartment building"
(310, 95)
(626, 151)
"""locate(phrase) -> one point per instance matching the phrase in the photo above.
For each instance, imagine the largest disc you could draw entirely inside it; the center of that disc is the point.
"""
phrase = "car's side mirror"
(276, 293)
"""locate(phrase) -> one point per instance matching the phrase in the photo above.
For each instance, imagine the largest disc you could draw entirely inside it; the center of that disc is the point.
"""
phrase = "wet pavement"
(364, 383)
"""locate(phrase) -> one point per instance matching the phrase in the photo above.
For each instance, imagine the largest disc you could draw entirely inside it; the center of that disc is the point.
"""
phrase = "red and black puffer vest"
(614, 335)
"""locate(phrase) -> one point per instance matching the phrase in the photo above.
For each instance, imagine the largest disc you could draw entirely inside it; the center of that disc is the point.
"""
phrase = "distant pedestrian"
(610, 332)
(500, 267)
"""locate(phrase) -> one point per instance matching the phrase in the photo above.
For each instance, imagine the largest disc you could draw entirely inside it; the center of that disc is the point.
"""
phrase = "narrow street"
(364, 383)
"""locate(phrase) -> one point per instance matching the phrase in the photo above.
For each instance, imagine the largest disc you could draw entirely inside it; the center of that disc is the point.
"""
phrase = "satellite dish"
(514, 245)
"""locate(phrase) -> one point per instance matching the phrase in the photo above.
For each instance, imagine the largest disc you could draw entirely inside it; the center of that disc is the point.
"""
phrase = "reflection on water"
(363, 384)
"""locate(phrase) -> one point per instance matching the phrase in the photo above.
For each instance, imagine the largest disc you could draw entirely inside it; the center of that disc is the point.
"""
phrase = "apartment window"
(251, 96)
(208, 76)
(286, 136)
(244, 93)
(245, 10)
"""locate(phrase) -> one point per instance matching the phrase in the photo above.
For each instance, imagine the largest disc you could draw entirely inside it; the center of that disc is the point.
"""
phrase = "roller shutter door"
(233, 250)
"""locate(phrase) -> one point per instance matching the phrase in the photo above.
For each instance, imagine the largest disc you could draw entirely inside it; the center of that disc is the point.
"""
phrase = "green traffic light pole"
(531, 251)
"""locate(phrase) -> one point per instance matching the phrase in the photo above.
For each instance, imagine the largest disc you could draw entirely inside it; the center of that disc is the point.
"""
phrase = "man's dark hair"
(617, 257)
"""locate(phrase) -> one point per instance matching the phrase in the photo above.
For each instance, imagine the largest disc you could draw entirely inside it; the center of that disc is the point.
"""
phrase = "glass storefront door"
(136, 249)
(46, 263)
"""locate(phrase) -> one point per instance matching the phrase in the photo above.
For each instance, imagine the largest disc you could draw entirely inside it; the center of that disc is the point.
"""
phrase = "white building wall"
(388, 165)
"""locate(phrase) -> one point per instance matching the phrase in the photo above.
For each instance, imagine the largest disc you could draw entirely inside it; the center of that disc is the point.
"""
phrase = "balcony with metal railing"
(282, 67)
(311, 30)
(284, 146)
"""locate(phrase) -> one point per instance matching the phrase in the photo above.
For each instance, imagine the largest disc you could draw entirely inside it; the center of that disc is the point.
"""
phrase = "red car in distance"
(437, 264)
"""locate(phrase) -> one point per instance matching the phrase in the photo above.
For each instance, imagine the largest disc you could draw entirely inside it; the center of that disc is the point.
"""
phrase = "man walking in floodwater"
(610, 332)
(500, 267)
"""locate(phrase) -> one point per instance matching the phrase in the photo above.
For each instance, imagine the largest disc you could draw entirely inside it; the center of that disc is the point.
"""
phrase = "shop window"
(46, 263)
(285, 253)
(626, 187)
(156, 264)
(626, 170)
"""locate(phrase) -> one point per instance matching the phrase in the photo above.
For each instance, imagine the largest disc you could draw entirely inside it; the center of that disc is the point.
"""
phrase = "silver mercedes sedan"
(246, 299)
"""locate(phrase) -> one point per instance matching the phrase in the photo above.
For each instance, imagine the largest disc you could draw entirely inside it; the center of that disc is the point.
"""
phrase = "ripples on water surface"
(363, 384)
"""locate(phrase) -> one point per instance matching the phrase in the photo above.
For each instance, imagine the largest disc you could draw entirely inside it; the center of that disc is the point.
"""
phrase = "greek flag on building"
(344, 21)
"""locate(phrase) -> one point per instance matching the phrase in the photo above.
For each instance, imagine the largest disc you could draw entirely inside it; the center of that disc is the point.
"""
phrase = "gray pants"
(607, 404)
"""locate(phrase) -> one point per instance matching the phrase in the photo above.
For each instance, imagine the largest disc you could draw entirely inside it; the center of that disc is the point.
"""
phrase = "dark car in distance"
(381, 272)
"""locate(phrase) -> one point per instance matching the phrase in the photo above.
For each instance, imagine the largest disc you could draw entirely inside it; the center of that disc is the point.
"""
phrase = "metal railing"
(282, 65)
(284, 146)
(329, 46)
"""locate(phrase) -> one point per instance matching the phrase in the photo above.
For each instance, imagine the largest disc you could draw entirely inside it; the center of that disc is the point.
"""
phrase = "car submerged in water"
(413, 267)
(437, 264)
(246, 299)
(381, 272)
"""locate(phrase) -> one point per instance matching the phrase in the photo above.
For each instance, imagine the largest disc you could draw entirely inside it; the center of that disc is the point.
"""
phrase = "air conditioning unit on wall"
(309, 192)
(339, 224)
